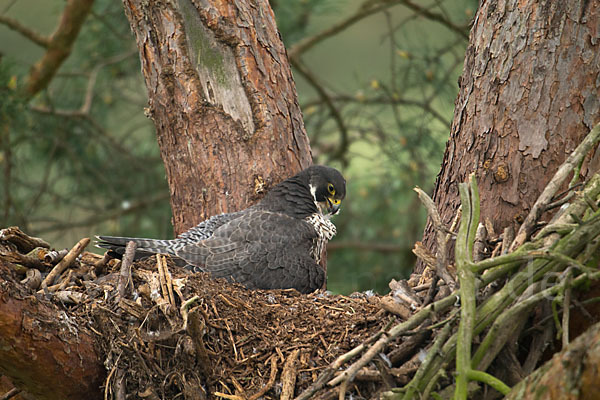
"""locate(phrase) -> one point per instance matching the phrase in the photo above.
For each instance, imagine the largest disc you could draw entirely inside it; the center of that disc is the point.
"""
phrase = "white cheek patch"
(313, 191)
(322, 206)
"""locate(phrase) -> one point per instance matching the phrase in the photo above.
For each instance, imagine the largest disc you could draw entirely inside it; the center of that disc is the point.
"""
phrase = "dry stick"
(507, 238)
(10, 394)
(289, 375)
(546, 197)
(270, 382)
(164, 277)
(377, 347)
(229, 396)
(120, 384)
(441, 238)
(125, 271)
(65, 262)
(330, 370)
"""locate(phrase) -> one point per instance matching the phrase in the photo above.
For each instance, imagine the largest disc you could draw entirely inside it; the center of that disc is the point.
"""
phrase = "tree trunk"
(528, 95)
(42, 349)
(223, 100)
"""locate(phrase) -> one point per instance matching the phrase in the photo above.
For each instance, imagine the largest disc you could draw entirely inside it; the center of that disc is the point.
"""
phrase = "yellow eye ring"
(331, 189)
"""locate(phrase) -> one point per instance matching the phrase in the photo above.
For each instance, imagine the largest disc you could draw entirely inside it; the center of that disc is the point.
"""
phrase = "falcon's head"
(328, 188)
(317, 186)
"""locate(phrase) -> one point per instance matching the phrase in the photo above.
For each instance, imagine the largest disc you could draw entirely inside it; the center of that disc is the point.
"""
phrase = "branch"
(59, 45)
(86, 106)
(366, 9)
(462, 31)
(346, 98)
(99, 217)
(30, 34)
(465, 240)
(42, 350)
(335, 113)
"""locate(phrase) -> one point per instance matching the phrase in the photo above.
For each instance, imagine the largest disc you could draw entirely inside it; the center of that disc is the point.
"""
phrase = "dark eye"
(330, 189)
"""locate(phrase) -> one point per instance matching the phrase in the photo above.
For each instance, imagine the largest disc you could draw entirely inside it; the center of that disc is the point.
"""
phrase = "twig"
(365, 10)
(30, 34)
(125, 271)
(10, 394)
(526, 304)
(499, 334)
(469, 197)
(389, 100)
(270, 382)
(66, 261)
(15, 257)
(441, 238)
(507, 238)
(479, 247)
(335, 113)
(120, 385)
(184, 310)
(547, 194)
(86, 105)
(433, 352)
(566, 309)
(489, 380)
(332, 368)
(462, 31)
(425, 313)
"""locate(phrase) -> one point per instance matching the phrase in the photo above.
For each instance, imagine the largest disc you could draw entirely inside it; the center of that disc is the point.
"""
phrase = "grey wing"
(260, 250)
(206, 228)
(147, 247)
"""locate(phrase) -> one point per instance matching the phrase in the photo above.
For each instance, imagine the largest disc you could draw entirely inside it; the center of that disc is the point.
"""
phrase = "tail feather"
(145, 247)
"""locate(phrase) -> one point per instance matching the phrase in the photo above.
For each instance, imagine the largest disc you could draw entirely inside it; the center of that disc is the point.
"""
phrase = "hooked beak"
(333, 205)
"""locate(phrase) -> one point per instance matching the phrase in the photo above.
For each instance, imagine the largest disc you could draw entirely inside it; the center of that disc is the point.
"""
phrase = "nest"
(166, 333)
(230, 341)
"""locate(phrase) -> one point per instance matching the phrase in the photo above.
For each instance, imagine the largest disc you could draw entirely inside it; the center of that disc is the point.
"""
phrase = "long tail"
(145, 247)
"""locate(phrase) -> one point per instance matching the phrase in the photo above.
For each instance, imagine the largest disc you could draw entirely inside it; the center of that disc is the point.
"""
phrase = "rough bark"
(223, 100)
(42, 351)
(528, 95)
(574, 373)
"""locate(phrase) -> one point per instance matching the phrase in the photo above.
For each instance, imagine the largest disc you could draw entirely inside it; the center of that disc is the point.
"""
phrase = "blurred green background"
(377, 99)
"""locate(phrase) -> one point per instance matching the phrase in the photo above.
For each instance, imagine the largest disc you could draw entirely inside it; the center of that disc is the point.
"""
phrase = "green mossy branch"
(465, 241)
(536, 271)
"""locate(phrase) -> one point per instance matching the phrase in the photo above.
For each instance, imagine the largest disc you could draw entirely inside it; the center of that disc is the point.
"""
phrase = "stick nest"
(230, 341)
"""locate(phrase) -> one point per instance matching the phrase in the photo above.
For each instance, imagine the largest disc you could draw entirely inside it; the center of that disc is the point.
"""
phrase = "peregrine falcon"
(274, 244)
